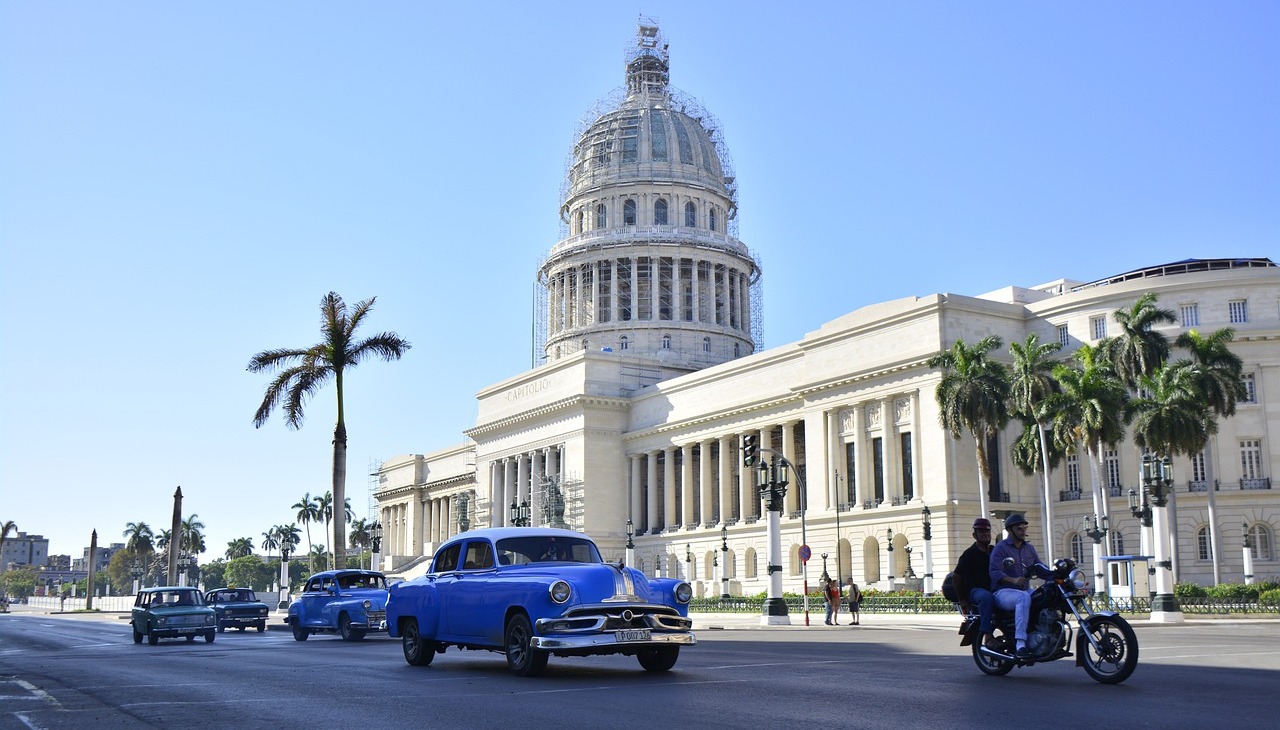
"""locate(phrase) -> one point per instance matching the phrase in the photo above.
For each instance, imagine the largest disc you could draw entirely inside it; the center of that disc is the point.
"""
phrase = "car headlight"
(262, 612)
(208, 620)
(160, 621)
(560, 591)
(684, 593)
(366, 605)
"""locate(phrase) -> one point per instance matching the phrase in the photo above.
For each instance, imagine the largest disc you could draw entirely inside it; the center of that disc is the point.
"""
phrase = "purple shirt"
(1023, 558)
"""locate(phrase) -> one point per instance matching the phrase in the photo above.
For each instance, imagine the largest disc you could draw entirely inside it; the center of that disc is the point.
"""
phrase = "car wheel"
(208, 637)
(348, 633)
(191, 638)
(300, 632)
(522, 659)
(658, 658)
(416, 651)
(137, 636)
(221, 628)
(152, 639)
(262, 626)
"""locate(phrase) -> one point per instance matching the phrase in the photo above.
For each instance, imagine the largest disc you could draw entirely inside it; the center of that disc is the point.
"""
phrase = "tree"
(1139, 349)
(308, 511)
(319, 558)
(192, 539)
(973, 396)
(1030, 388)
(248, 572)
(1217, 370)
(271, 540)
(8, 528)
(303, 372)
(19, 583)
(213, 573)
(1171, 417)
(239, 548)
(362, 537)
(326, 510)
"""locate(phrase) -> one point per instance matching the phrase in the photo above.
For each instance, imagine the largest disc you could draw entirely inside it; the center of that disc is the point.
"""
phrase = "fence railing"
(939, 605)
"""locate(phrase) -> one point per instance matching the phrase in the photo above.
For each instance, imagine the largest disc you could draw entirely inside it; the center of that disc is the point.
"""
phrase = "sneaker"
(1023, 653)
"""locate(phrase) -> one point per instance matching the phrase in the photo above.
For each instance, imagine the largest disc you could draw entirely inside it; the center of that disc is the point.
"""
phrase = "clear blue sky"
(181, 183)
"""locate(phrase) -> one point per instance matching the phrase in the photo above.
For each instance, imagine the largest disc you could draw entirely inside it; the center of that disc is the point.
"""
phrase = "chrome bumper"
(597, 641)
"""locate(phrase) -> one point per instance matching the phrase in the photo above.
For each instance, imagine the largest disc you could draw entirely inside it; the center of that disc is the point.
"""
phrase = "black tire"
(152, 639)
(417, 652)
(991, 665)
(262, 626)
(522, 659)
(1116, 655)
(137, 635)
(346, 631)
(208, 637)
(658, 658)
(300, 632)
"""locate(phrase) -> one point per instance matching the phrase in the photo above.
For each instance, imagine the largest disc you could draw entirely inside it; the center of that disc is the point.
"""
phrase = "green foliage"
(18, 583)
(214, 573)
(1188, 590)
(1235, 592)
(1269, 597)
(248, 572)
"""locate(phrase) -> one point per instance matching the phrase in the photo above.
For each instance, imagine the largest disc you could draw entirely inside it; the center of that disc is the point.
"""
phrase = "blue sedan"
(532, 592)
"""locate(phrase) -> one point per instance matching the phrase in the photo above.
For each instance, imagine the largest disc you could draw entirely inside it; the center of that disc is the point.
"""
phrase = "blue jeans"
(1018, 601)
(985, 601)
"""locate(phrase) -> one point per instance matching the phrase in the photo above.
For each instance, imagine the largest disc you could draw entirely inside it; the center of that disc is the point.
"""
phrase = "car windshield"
(235, 597)
(174, 598)
(546, 548)
(347, 582)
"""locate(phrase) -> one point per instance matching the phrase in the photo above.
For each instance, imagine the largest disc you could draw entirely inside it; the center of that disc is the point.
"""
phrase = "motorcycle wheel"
(1116, 655)
(991, 665)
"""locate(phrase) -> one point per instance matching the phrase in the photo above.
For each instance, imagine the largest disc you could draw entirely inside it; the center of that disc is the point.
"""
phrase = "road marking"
(27, 721)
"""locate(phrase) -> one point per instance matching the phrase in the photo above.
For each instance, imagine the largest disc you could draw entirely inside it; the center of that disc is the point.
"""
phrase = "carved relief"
(902, 410)
(873, 415)
(846, 421)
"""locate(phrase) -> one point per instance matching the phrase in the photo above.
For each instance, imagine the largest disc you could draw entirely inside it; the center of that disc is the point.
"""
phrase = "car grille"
(185, 620)
(376, 617)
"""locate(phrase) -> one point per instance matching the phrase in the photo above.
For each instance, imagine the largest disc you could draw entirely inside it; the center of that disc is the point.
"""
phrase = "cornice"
(579, 401)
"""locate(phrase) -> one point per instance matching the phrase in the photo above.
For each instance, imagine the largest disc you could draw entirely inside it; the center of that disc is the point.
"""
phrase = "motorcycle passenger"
(1012, 585)
(972, 578)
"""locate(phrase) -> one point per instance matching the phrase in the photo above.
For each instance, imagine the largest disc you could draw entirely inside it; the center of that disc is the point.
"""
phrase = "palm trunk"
(1048, 500)
(339, 486)
(311, 563)
(982, 476)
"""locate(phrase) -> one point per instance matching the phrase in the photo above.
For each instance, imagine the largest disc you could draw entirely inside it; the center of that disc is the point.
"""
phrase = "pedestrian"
(831, 596)
(972, 578)
(855, 600)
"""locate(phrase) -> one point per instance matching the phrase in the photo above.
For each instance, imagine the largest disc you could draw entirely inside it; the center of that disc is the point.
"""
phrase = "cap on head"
(1014, 520)
(982, 523)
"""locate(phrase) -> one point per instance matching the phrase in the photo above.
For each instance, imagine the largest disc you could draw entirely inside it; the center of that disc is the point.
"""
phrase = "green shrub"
(1188, 590)
(1269, 597)
(1233, 592)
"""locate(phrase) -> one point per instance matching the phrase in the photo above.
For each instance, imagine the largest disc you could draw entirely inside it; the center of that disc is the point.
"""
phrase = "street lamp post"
(926, 519)
(284, 574)
(631, 545)
(1089, 525)
(910, 573)
(520, 513)
(891, 558)
(1247, 543)
(688, 564)
(136, 572)
(724, 562)
(375, 555)
(772, 480)
(1157, 477)
(1141, 511)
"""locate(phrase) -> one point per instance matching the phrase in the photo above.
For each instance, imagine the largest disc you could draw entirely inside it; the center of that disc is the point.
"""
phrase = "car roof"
(498, 533)
(157, 589)
(349, 571)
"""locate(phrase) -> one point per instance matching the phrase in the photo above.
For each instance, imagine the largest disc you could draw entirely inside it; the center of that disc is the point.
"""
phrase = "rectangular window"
(644, 288)
(1073, 472)
(1190, 315)
(1098, 326)
(1197, 467)
(1204, 545)
(851, 474)
(1250, 389)
(605, 301)
(1251, 459)
(664, 288)
(1113, 468)
(686, 289)
(877, 457)
(908, 483)
(1063, 337)
(1238, 309)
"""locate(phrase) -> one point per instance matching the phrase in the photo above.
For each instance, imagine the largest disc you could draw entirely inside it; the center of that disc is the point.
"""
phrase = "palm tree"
(326, 508)
(162, 540)
(8, 528)
(139, 542)
(239, 548)
(271, 540)
(319, 555)
(192, 539)
(308, 511)
(1090, 408)
(1030, 387)
(324, 503)
(1139, 349)
(290, 535)
(1217, 371)
(362, 537)
(973, 396)
(305, 371)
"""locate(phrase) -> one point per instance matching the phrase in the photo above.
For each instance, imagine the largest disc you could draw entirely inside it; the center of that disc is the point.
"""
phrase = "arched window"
(1204, 545)
(1077, 548)
(1117, 542)
(602, 220)
(1261, 540)
(629, 212)
(713, 219)
(706, 344)
(690, 215)
(793, 560)
(730, 563)
(737, 349)
(666, 342)
(749, 564)
(871, 560)
(622, 343)
(582, 221)
(660, 212)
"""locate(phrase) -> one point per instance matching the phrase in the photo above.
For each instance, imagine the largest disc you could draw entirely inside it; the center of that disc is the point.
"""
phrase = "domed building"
(652, 374)
(651, 263)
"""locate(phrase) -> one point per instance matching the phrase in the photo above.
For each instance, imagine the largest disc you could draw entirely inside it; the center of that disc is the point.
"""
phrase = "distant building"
(24, 549)
(104, 556)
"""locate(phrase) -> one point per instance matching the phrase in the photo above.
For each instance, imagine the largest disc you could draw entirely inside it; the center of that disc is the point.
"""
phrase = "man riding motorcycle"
(1011, 580)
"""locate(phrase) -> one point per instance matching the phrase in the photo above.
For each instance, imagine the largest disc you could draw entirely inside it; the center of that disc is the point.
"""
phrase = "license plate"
(632, 634)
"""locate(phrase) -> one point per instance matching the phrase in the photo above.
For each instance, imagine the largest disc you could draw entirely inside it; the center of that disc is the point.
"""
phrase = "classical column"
(686, 484)
(508, 488)
(835, 458)
(706, 487)
(497, 500)
(726, 479)
(669, 517)
(637, 490)
(789, 451)
(889, 434)
(635, 288)
(613, 290)
(522, 477)
(653, 517)
(419, 523)
(677, 292)
(917, 459)
(857, 436)
(696, 288)
(537, 468)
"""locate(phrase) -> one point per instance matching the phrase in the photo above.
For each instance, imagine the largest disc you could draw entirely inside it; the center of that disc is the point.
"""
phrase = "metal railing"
(936, 604)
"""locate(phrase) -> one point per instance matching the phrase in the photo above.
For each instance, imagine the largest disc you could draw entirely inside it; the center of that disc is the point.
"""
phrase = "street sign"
(805, 553)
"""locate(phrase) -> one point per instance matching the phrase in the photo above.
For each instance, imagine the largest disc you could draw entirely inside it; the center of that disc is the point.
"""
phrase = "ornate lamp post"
(926, 519)
(1157, 477)
(890, 558)
(910, 573)
(1089, 526)
(520, 513)
(825, 575)
(285, 546)
(375, 555)
(772, 480)
(136, 572)
(1247, 543)
(688, 563)
(631, 545)
(724, 562)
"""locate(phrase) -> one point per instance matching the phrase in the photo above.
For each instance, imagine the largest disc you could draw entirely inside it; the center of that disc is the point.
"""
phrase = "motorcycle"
(1105, 645)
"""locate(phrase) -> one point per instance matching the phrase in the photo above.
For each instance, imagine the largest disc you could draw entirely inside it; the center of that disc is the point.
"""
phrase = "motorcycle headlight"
(1077, 579)
(560, 591)
(683, 593)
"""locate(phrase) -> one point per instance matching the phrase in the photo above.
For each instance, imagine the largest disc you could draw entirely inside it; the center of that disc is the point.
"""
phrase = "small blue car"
(531, 592)
(237, 607)
(349, 602)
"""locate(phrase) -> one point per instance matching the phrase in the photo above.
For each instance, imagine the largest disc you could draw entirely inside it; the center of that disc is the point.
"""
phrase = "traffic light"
(748, 450)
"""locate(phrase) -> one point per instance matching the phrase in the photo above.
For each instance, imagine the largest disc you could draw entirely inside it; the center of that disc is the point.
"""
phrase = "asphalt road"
(60, 672)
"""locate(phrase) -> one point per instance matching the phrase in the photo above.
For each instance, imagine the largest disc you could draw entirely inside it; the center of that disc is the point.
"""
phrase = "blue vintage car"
(532, 592)
(349, 602)
(238, 607)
